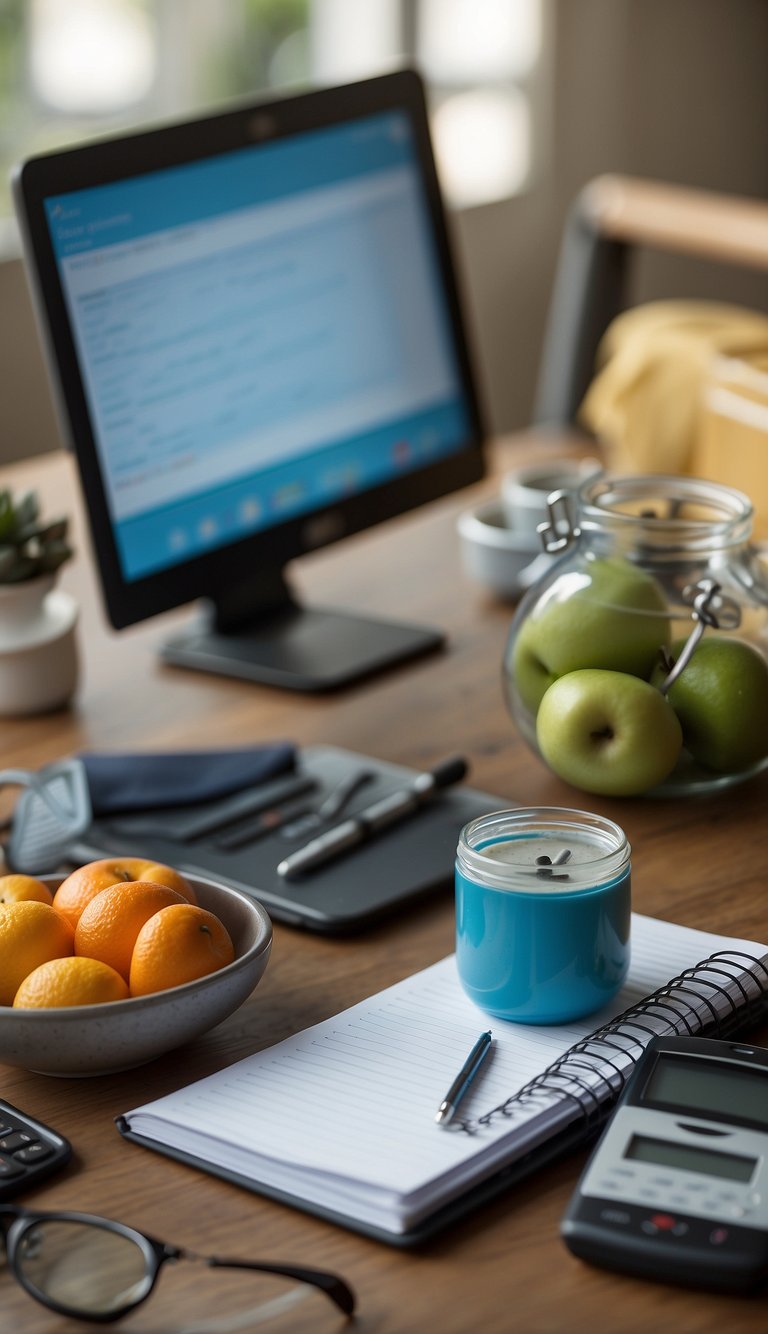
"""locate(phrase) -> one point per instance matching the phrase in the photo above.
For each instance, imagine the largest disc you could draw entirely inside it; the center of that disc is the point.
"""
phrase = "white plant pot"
(38, 648)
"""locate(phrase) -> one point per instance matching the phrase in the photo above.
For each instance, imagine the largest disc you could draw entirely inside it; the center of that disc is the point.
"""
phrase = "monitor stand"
(276, 641)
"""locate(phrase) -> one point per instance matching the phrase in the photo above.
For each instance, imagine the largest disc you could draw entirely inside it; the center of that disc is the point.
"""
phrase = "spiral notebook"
(339, 1119)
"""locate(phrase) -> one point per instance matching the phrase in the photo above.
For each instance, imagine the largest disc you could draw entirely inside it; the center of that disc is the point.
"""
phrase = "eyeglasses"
(96, 1269)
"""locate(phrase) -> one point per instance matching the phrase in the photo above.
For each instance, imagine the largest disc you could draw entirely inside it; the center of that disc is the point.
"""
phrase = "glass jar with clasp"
(639, 662)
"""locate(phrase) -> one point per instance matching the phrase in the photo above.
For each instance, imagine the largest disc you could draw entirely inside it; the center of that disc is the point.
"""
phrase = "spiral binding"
(563, 1080)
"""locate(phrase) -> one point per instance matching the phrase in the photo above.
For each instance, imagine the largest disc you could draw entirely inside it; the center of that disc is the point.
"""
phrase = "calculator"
(677, 1188)
(29, 1151)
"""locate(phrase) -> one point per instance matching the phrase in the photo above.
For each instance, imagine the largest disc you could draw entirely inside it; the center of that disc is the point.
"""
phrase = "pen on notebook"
(461, 1083)
(389, 810)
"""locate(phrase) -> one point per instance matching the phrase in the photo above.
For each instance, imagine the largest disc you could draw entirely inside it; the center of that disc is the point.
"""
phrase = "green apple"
(721, 699)
(610, 615)
(608, 732)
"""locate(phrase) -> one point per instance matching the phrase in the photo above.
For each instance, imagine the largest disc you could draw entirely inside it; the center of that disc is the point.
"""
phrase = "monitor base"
(299, 648)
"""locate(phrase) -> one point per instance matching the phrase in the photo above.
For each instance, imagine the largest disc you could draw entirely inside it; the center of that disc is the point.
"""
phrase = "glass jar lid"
(674, 513)
(543, 848)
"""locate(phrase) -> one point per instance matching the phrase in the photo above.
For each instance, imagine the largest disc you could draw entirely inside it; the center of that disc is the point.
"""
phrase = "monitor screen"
(251, 331)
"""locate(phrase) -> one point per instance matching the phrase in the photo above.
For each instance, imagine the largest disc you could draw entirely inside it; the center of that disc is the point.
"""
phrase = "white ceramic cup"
(524, 491)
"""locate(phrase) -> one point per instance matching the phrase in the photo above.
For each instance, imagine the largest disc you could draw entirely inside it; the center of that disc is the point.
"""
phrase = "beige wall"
(27, 421)
(674, 89)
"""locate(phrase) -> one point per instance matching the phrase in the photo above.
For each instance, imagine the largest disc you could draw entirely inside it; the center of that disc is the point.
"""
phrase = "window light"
(482, 145)
(466, 41)
(91, 56)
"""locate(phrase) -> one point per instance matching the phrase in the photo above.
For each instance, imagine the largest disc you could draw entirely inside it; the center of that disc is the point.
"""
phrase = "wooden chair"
(613, 216)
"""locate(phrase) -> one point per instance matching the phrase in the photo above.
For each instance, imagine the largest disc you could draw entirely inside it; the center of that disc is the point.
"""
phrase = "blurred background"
(529, 100)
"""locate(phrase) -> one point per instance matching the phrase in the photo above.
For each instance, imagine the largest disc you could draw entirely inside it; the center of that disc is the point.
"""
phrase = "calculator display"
(700, 1087)
(689, 1158)
(677, 1188)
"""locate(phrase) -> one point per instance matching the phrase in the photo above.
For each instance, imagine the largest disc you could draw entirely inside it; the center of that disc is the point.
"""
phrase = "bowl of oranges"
(120, 961)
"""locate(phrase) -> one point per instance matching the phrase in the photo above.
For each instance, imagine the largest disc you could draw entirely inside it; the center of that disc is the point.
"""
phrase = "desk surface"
(699, 863)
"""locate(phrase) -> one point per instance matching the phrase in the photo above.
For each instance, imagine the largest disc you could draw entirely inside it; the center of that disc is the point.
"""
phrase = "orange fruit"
(178, 944)
(110, 923)
(87, 881)
(73, 981)
(20, 888)
(31, 933)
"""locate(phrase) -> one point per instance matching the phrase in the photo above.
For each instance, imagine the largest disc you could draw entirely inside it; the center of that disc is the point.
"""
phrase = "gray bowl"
(101, 1039)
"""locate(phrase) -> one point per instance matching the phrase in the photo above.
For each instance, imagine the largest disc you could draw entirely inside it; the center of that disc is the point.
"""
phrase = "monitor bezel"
(116, 158)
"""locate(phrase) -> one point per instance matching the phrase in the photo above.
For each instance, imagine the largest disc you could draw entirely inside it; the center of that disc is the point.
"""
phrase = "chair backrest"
(611, 217)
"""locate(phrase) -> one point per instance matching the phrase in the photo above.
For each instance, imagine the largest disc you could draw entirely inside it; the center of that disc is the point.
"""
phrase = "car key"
(29, 1151)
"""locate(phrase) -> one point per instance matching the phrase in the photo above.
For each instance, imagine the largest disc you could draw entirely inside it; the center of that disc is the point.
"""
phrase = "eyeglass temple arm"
(333, 1286)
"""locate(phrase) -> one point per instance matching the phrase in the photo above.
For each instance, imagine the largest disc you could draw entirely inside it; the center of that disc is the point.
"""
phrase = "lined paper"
(342, 1114)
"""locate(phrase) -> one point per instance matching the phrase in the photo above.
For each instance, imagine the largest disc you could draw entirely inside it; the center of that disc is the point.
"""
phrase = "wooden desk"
(701, 863)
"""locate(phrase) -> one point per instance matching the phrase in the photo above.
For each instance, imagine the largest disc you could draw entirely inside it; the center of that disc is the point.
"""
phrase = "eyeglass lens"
(84, 1268)
(98, 1271)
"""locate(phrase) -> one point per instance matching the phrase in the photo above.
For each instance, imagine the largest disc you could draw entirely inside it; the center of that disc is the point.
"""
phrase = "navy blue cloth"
(136, 781)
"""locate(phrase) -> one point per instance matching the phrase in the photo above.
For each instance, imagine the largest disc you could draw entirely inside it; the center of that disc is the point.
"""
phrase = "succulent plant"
(28, 547)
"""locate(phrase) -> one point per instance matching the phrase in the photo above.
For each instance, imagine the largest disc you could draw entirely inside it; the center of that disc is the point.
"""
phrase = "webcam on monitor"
(254, 332)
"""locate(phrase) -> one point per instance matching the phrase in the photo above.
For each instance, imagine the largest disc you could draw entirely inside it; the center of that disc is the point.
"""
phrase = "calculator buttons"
(34, 1153)
(29, 1151)
(675, 1227)
(16, 1140)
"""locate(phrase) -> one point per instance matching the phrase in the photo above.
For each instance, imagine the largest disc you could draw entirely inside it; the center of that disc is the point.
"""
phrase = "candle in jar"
(546, 856)
(542, 913)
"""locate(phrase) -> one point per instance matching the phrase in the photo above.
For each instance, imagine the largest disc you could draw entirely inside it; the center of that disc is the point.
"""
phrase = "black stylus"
(389, 810)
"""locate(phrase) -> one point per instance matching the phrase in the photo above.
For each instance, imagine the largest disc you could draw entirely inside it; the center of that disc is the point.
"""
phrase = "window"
(72, 69)
(482, 60)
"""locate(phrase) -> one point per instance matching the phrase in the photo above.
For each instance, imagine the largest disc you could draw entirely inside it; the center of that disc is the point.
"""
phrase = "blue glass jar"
(543, 910)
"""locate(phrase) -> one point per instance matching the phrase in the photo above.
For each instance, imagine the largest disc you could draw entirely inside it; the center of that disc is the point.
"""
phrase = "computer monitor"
(254, 329)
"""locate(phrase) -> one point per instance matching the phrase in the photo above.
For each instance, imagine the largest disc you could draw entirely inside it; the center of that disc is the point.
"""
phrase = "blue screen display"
(260, 334)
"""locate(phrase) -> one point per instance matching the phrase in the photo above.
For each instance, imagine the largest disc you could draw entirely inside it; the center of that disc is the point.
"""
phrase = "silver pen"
(358, 828)
(447, 1109)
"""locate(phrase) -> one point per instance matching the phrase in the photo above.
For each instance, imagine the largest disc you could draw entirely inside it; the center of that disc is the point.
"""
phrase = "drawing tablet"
(410, 859)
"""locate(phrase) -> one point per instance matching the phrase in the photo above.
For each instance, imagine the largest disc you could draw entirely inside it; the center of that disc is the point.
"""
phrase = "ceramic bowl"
(101, 1039)
(502, 558)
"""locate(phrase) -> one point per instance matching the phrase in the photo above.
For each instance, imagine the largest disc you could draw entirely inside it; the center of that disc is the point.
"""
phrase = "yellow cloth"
(644, 403)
